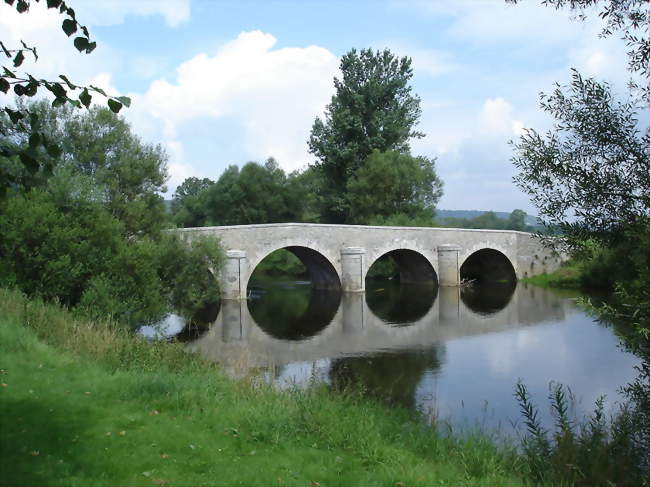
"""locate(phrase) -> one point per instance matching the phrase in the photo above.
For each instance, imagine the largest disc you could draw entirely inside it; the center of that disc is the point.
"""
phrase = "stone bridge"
(339, 256)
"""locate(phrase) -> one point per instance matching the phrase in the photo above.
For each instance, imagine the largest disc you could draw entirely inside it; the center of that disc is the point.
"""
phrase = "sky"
(220, 82)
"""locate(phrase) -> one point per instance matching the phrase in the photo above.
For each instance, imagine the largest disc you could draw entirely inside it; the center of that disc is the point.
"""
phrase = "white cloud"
(111, 12)
(273, 94)
(41, 27)
(495, 118)
(178, 168)
(494, 21)
(432, 62)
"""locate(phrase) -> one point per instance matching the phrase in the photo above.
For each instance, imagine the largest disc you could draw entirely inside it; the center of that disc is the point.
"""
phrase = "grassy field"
(85, 403)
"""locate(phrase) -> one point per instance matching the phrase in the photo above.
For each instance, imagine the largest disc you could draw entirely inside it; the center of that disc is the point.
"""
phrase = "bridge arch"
(414, 267)
(321, 270)
(488, 264)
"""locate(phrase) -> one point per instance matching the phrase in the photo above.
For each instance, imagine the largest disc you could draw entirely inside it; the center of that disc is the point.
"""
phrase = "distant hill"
(530, 219)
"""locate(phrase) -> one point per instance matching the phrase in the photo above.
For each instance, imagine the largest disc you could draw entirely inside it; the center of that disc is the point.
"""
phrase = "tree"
(128, 173)
(392, 183)
(188, 203)
(590, 174)
(373, 109)
(255, 194)
(517, 221)
(26, 85)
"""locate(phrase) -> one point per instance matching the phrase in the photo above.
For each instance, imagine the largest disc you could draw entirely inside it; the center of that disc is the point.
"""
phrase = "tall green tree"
(128, 173)
(394, 185)
(188, 203)
(373, 108)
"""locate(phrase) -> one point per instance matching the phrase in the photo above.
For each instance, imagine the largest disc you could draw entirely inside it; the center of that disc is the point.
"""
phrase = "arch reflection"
(401, 287)
(400, 303)
(488, 298)
(292, 312)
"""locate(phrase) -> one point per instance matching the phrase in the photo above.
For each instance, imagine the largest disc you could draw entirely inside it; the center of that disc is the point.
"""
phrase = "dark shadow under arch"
(488, 265)
(412, 267)
(403, 288)
(320, 271)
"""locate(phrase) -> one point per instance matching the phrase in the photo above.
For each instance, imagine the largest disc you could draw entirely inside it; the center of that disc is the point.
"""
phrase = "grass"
(591, 452)
(85, 403)
(568, 276)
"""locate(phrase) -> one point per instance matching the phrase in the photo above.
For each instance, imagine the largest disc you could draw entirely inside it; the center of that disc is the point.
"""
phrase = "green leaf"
(53, 3)
(18, 60)
(9, 2)
(69, 27)
(19, 90)
(58, 102)
(31, 89)
(125, 100)
(114, 105)
(91, 47)
(7, 73)
(22, 6)
(14, 115)
(98, 90)
(81, 43)
(85, 98)
(4, 49)
(71, 85)
(56, 89)
(4, 85)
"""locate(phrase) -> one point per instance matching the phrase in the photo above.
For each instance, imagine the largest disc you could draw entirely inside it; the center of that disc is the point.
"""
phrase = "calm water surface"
(455, 355)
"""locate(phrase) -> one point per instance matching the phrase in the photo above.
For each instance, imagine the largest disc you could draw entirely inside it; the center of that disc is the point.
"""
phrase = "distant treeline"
(516, 220)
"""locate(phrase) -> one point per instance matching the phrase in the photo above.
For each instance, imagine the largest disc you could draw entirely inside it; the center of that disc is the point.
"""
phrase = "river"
(453, 355)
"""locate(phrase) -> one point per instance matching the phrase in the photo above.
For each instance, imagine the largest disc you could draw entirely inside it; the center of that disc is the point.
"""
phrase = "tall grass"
(594, 451)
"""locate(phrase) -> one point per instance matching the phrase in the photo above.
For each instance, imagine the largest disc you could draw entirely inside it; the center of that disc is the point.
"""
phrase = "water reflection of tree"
(199, 323)
(389, 377)
(393, 302)
(291, 312)
(488, 298)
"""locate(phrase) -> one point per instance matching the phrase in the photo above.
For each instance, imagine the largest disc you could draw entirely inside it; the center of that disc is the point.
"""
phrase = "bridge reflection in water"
(454, 352)
(330, 325)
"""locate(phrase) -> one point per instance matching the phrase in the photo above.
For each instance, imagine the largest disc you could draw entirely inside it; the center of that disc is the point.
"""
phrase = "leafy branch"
(63, 90)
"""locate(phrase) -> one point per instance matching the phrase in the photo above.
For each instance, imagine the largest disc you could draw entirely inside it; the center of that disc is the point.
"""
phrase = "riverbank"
(568, 276)
(86, 403)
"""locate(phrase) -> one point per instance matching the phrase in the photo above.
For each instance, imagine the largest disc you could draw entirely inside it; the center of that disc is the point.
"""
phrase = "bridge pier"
(448, 265)
(231, 275)
(352, 269)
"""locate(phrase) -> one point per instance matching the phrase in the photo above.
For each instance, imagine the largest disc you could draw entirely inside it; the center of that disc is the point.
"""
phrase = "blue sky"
(225, 82)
